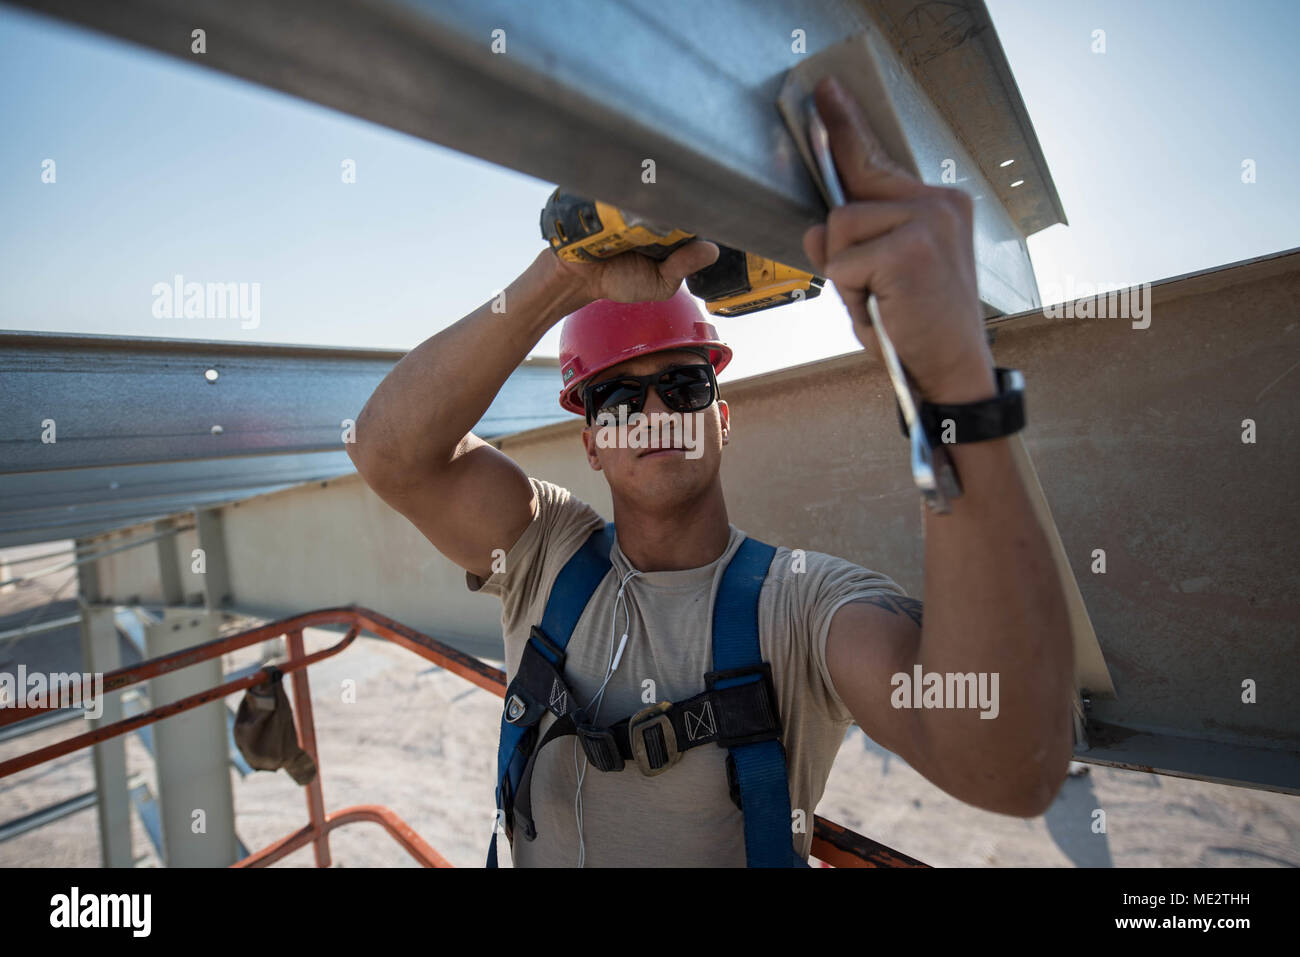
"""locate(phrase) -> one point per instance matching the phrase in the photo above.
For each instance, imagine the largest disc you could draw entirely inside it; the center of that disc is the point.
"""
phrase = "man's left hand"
(911, 244)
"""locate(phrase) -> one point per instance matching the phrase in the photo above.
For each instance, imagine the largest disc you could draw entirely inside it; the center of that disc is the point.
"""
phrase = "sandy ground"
(422, 742)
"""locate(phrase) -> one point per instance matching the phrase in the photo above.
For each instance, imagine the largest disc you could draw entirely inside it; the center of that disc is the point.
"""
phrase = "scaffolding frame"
(832, 843)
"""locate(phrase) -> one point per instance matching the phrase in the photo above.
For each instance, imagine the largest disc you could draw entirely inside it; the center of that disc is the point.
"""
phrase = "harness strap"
(654, 738)
(740, 701)
(727, 717)
(523, 803)
(573, 588)
(760, 766)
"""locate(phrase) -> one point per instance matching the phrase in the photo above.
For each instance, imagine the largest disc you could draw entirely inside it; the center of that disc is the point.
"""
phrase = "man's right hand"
(631, 277)
(414, 446)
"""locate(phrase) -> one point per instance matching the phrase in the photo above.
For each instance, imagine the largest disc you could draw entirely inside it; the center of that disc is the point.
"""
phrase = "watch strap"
(992, 418)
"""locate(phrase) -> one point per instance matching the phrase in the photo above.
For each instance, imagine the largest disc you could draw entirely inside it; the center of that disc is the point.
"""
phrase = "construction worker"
(625, 675)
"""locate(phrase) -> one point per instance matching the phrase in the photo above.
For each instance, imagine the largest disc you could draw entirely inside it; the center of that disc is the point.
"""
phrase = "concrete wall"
(133, 572)
(335, 543)
(191, 583)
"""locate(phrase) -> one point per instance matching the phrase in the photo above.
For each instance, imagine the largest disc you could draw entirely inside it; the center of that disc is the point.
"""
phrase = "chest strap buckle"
(599, 744)
(653, 740)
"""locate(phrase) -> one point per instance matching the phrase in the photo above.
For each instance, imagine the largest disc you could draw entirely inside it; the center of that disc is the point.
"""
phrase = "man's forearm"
(994, 603)
(433, 397)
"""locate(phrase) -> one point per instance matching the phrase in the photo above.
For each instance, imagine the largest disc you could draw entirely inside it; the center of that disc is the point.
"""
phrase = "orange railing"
(832, 843)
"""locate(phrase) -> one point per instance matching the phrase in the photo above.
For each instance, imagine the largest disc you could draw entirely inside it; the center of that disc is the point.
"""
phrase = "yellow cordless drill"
(584, 230)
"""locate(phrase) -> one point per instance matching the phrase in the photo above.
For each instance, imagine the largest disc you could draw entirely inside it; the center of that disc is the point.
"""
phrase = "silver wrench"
(931, 467)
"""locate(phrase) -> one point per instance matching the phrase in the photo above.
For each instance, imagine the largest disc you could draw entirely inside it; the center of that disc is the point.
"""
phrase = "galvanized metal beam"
(585, 94)
(40, 525)
(87, 562)
(155, 400)
(40, 629)
(955, 53)
(1204, 759)
(157, 488)
(97, 432)
(40, 722)
(16, 827)
(141, 400)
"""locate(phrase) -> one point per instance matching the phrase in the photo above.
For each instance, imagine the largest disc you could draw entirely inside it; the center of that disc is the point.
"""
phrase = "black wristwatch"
(994, 418)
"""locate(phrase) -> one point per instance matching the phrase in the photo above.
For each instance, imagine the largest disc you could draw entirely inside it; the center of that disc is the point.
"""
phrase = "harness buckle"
(653, 740)
(515, 708)
(599, 744)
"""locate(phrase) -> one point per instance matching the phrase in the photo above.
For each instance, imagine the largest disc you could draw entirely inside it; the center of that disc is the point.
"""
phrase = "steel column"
(100, 654)
(87, 573)
(169, 570)
(216, 575)
(190, 749)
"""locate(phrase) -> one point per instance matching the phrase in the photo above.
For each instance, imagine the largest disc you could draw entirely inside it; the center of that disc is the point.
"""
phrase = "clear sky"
(164, 167)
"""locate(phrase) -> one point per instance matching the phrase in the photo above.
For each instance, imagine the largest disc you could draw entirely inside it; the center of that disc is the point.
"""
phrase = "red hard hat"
(604, 333)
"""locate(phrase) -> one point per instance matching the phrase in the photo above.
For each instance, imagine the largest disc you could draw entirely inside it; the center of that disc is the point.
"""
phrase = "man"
(835, 634)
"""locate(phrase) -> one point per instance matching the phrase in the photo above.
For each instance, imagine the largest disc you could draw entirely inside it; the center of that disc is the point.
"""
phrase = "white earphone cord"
(611, 665)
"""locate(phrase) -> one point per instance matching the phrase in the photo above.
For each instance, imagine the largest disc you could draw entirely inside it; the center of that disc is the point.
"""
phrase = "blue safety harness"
(737, 711)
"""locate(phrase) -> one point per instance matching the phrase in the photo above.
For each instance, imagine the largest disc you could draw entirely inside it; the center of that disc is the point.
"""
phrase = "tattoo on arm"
(910, 607)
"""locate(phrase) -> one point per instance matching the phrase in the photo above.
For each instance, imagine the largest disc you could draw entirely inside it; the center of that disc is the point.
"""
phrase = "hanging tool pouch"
(265, 732)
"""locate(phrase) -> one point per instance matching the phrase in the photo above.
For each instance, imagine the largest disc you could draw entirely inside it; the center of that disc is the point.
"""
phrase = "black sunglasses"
(683, 389)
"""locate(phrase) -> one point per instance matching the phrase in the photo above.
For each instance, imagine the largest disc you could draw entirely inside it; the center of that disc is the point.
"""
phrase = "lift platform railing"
(832, 843)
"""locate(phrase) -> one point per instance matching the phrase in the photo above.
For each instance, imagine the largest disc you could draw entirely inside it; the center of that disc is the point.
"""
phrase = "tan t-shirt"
(685, 816)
